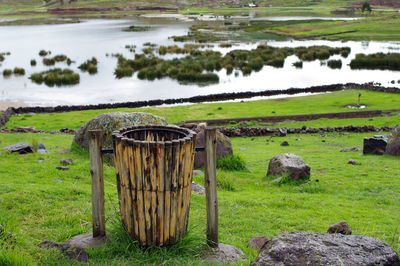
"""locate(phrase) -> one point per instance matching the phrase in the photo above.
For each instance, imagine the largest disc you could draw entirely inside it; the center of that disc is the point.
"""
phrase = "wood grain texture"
(211, 186)
(96, 172)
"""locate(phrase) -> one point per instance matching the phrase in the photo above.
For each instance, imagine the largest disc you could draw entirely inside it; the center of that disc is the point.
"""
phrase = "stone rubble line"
(195, 99)
(240, 131)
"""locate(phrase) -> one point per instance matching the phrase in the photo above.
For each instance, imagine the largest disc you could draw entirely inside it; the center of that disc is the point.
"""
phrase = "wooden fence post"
(96, 171)
(211, 186)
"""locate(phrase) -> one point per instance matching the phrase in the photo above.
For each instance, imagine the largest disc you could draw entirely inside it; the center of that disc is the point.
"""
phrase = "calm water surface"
(99, 37)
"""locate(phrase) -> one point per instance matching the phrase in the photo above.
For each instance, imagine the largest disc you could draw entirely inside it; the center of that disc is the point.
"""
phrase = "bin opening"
(156, 133)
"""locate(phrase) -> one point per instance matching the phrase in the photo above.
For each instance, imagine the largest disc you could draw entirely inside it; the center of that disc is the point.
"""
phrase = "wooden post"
(96, 171)
(211, 186)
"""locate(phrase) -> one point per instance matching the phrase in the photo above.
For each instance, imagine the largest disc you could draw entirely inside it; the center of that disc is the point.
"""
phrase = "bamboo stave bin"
(154, 169)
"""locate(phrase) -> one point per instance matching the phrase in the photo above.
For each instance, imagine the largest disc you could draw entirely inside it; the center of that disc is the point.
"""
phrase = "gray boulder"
(302, 248)
(289, 164)
(225, 254)
(224, 148)
(393, 143)
(375, 145)
(20, 147)
(112, 121)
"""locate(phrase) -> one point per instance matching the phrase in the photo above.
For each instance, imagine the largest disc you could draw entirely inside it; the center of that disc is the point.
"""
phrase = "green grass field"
(319, 103)
(41, 203)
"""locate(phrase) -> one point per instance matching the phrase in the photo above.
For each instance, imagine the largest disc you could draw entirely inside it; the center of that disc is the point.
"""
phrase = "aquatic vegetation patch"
(134, 28)
(89, 66)
(44, 52)
(55, 59)
(33, 62)
(335, 64)
(3, 56)
(199, 65)
(382, 61)
(7, 72)
(298, 64)
(56, 77)
(19, 71)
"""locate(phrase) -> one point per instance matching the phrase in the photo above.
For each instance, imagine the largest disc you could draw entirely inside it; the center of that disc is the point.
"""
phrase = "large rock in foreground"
(224, 147)
(289, 164)
(301, 248)
(113, 121)
(393, 144)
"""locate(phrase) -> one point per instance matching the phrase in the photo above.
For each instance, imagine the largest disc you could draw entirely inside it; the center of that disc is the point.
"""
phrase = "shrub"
(19, 71)
(121, 72)
(43, 53)
(49, 61)
(234, 163)
(56, 76)
(298, 64)
(33, 62)
(7, 72)
(335, 64)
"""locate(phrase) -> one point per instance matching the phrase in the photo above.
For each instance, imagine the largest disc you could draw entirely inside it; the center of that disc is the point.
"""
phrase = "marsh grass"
(134, 28)
(56, 77)
(335, 64)
(7, 72)
(389, 61)
(44, 53)
(33, 62)
(18, 71)
(298, 64)
(89, 66)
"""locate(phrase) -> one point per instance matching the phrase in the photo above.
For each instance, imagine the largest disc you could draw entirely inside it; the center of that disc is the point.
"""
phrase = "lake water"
(98, 37)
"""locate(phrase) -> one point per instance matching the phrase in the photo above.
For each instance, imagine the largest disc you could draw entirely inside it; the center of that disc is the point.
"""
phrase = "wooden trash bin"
(154, 168)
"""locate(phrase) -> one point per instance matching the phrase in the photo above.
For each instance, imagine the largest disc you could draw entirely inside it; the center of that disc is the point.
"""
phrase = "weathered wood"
(160, 154)
(96, 172)
(140, 196)
(154, 181)
(167, 183)
(211, 186)
(174, 189)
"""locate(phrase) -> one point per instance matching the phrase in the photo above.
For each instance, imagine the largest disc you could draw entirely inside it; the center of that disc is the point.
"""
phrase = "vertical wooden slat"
(147, 190)
(132, 177)
(140, 196)
(128, 187)
(174, 189)
(153, 181)
(167, 185)
(161, 191)
(181, 174)
(96, 172)
(211, 186)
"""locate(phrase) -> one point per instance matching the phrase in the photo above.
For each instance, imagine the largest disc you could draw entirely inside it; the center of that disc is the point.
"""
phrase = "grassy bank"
(320, 103)
(41, 203)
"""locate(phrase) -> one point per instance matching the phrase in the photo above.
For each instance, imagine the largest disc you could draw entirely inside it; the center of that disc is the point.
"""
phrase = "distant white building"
(253, 5)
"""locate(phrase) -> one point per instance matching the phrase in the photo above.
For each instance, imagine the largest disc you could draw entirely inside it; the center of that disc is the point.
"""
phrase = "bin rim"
(187, 134)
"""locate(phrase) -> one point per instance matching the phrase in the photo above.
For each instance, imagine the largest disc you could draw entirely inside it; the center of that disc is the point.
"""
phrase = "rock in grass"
(257, 242)
(285, 143)
(340, 228)
(42, 149)
(225, 254)
(198, 189)
(20, 147)
(352, 161)
(393, 144)
(62, 168)
(302, 248)
(351, 149)
(376, 144)
(66, 161)
(289, 164)
(113, 121)
(197, 172)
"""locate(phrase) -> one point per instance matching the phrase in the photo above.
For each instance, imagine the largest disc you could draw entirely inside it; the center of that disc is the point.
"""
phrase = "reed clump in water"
(335, 64)
(89, 66)
(389, 61)
(56, 77)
